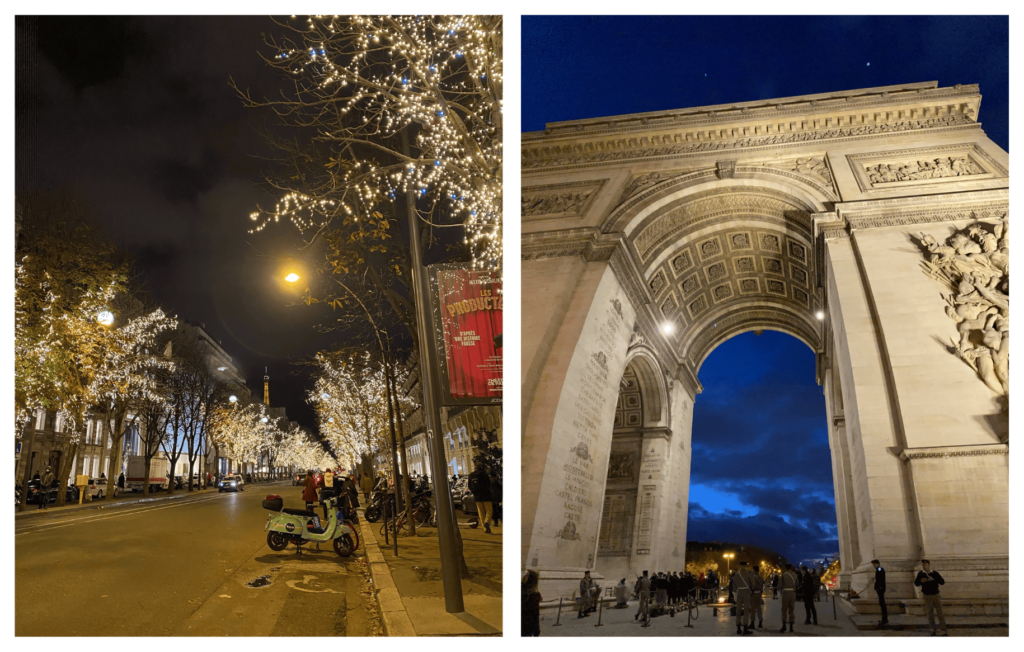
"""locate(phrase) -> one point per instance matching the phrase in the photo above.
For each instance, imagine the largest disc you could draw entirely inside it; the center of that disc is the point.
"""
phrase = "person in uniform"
(788, 583)
(741, 588)
(644, 588)
(586, 595)
(880, 590)
(929, 582)
(757, 598)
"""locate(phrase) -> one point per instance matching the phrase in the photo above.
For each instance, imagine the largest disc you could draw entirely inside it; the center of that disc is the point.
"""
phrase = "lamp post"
(728, 556)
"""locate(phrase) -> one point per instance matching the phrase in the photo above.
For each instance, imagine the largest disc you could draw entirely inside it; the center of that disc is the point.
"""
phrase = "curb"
(103, 505)
(393, 615)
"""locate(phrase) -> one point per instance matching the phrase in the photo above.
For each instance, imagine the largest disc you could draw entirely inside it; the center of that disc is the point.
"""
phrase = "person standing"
(644, 589)
(775, 586)
(531, 604)
(929, 582)
(788, 581)
(309, 490)
(496, 495)
(880, 590)
(480, 485)
(328, 482)
(741, 590)
(808, 588)
(757, 598)
(366, 484)
(586, 594)
(620, 594)
(44, 488)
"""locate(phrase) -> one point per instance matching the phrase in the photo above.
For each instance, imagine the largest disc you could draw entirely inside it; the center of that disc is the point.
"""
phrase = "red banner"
(470, 307)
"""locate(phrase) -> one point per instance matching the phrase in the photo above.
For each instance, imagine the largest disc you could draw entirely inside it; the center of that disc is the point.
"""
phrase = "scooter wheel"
(343, 545)
(276, 541)
(372, 514)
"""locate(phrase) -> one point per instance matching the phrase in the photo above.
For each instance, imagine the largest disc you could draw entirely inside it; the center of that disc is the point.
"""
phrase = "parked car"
(231, 482)
(298, 479)
(97, 488)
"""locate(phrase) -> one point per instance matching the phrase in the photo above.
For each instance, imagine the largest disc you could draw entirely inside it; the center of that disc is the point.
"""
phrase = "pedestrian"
(788, 583)
(496, 498)
(586, 593)
(480, 485)
(929, 582)
(351, 494)
(775, 586)
(741, 589)
(309, 491)
(620, 594)
(809, 587)
(44, 488)
(366, 483)
(880, 591)
(328, 483)
(530, 604)
(643, 586)
(757, 598)
(35, 476)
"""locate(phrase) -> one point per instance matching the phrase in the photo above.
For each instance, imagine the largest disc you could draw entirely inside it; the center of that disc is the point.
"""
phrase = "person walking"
(741, 590)
(366, 484)
(309, 491)
(496, 495)
(586, 594)
(530, 599)
(880, 590)
(757, 598)
(808, 588)
(44, 488)
(929, 582)
(788, 581)
(775, 586)
(644, 589)
(480, 485)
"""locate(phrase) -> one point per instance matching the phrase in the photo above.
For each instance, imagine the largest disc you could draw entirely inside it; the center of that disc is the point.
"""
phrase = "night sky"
(137, 113)
(761, 469)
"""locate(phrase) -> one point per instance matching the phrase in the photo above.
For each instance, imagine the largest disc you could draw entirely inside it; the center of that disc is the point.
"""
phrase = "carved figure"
(974, 264)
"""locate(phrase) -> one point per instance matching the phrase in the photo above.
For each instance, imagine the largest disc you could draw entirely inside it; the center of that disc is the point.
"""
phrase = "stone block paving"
(409, 588)
(620, 622)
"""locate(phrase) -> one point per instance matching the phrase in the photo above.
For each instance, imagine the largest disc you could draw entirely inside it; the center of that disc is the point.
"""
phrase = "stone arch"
(653, 385)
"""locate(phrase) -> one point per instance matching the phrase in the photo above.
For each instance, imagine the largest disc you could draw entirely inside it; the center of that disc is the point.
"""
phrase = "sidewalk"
(127, 498)
(409, 589)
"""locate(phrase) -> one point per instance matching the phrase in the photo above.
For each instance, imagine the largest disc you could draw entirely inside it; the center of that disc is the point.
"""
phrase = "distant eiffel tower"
(266, 387)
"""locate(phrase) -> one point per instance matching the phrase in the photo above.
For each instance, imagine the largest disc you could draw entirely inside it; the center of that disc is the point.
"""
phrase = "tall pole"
(450, 578)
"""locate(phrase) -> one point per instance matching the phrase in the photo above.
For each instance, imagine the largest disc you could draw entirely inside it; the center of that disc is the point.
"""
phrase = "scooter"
(300, 527)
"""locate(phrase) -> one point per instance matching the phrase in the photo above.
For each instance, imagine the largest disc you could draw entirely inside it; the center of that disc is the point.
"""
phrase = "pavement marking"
(306, 578)
(31, 529)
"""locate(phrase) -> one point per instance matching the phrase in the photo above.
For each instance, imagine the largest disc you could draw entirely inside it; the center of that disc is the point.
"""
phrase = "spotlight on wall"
(668, 328)
(820, 315)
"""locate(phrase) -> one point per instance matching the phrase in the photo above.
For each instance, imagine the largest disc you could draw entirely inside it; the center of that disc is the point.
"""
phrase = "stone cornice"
(905, 96)
(567, 156)
(656, 432)
(909, 454)
(880, 213)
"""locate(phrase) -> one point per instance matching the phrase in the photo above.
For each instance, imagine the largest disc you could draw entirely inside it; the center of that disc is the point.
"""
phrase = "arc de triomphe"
(870, 224)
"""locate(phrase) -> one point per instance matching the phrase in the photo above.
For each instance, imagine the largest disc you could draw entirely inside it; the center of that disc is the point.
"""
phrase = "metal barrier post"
(600, 610)
(558, 621)
(833, 606)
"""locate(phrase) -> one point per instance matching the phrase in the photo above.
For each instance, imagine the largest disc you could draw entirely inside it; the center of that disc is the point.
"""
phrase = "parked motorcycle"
(375, 508)
(299, 526)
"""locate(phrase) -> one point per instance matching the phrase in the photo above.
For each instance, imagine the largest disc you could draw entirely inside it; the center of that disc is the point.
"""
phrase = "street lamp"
(292, 277)
(233, 398)
(727, 556)
(105, 317)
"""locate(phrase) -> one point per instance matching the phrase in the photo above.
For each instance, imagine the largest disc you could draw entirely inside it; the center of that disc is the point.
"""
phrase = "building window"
(40, 419)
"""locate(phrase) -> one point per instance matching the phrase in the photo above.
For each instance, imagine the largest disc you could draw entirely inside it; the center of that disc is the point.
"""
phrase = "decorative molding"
(725, 169)
(590, 154)
(561, 200)
(908, 454)
(923, 166)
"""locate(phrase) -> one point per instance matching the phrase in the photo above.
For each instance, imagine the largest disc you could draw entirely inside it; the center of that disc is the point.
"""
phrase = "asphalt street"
(196, 566)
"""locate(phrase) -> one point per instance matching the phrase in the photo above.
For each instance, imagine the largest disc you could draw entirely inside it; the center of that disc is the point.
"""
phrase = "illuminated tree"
(382, 105)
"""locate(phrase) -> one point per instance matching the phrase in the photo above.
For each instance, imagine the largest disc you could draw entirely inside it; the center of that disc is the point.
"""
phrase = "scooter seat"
(297, 512)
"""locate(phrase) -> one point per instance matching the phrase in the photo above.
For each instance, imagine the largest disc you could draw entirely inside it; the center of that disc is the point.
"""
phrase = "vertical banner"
(467, 307)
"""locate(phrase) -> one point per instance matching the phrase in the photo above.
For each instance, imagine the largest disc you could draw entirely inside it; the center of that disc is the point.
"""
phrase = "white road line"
(103, 517)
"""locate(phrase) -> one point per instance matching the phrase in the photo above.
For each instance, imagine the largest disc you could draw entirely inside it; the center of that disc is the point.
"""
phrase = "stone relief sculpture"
(940, 168)
(582, 451)
(636, 338)
(974, 265)
(555, 203)
(568, 532)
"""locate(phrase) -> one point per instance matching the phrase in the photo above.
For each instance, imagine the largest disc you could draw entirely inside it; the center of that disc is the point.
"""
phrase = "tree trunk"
(116, 437)
(406, 488)
(145, 482)
(62, 474)
(28, 469)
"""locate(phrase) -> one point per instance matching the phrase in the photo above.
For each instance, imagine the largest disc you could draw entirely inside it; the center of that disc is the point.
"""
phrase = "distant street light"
(727, 556)
(264, 420)
(292, 277)
(105, 317)
(233, 398)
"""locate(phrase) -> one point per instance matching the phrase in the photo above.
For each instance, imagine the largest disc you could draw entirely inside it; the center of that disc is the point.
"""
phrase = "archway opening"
(761, 469)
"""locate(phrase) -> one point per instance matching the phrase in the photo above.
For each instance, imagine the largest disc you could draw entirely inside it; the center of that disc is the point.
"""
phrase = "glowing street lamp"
(292, 277)
(105, 317)
(668, 328)
(820, 315)
(728, 556)
(233, 398)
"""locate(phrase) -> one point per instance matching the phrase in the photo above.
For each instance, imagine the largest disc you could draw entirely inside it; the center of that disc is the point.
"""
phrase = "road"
(182, 568)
